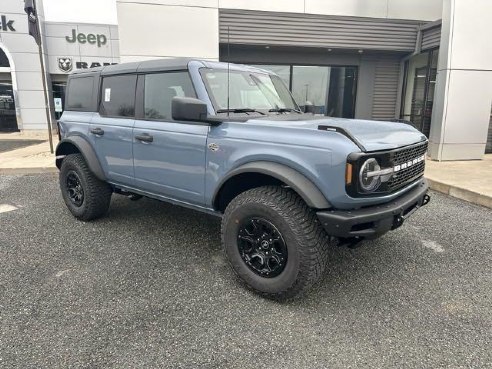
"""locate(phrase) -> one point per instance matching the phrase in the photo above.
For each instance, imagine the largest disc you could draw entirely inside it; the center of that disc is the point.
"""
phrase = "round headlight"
(368, 180)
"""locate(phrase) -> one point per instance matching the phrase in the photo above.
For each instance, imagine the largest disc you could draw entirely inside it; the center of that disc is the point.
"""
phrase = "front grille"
(409, 174)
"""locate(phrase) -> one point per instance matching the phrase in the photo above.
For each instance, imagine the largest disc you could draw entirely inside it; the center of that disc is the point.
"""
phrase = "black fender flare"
(304, 187)
(87, 151)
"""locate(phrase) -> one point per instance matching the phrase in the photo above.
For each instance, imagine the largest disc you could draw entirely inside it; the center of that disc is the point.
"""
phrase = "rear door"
(169, 156)
(111, 128)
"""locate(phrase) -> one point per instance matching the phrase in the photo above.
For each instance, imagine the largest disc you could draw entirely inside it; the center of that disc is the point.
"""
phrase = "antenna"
(228, 70)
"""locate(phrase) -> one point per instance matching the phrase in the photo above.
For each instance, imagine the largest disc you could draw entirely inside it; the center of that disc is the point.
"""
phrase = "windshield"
(249, 91)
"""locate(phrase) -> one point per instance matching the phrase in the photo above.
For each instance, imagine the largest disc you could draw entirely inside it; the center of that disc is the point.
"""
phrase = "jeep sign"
(90, 38)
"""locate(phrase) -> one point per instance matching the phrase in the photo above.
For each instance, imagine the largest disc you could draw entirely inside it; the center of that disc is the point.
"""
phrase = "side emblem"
(213, 146)
(65, 64)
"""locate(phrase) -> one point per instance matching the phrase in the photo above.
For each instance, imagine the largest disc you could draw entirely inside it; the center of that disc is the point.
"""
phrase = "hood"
(369, 135)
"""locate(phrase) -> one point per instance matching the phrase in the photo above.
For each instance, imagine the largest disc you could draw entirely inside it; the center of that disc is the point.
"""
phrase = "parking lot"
(148, 286)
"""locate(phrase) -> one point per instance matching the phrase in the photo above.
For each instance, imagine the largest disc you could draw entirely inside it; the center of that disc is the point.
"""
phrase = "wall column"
(463, 95)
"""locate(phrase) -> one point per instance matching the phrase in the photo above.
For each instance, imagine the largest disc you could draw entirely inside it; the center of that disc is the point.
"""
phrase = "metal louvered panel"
(293, 29)
(431, 38)
(385, 93)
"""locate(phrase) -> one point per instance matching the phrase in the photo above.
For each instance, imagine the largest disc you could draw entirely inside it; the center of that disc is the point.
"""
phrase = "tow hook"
(426, 200)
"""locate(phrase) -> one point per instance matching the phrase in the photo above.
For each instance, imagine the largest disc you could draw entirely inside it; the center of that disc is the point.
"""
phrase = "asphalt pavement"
(147, 286)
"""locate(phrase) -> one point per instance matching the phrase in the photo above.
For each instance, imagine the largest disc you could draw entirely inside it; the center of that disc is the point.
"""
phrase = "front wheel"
(274, 242)
(86, 196)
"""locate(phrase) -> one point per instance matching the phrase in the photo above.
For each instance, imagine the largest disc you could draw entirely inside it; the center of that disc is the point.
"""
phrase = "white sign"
(107, 95)
(58, 105)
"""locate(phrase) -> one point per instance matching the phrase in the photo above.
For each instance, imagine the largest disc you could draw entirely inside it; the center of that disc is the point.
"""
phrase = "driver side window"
(160, 88)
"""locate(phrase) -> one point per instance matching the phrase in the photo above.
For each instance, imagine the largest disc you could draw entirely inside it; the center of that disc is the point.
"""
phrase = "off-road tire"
(97, 193)
(306, 240)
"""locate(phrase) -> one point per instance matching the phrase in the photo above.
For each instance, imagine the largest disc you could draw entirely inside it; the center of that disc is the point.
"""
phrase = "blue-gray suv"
(230, 140)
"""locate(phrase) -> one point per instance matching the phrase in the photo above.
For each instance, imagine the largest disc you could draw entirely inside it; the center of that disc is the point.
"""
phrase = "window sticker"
(107, 95)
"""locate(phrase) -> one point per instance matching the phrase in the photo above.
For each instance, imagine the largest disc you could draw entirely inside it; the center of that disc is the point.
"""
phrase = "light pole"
(35, 31)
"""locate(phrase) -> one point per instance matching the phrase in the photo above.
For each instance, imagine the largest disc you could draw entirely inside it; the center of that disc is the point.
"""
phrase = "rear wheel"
(86, 196)
(274, 241)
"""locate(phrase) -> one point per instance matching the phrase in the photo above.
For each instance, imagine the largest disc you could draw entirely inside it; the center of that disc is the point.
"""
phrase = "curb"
(14, 171)
(461, 193)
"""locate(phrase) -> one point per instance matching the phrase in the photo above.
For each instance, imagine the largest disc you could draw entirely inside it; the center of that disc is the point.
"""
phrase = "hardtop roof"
(156, 65)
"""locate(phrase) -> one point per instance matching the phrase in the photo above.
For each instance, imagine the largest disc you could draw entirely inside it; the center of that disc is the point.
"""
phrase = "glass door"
(8, 119)
(420, 82)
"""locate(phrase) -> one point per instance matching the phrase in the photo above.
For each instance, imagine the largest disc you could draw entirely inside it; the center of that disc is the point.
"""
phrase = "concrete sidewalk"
(467, 180)
(31, 159)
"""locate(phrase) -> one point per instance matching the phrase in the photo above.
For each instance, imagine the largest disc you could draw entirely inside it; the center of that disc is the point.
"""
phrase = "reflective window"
(247, 90)
(80, 93)
(4, 61)
(118, 96)
(330, 89)
(419, 84)
(8, 120)
(160, 89)
(283, 71)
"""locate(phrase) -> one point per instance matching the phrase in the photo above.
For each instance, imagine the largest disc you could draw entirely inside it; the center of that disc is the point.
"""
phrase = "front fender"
(291, 177)
(65, 147)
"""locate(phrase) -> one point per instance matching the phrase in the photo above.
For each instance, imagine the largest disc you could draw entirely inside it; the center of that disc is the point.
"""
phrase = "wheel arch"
(75, 145)
(267, 173)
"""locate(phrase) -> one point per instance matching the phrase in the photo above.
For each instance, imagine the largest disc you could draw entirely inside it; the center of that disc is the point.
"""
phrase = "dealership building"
(427, 62)
(66, 47)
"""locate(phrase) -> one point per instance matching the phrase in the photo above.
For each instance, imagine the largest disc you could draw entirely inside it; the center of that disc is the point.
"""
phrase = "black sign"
(7, 25)
(65, 64)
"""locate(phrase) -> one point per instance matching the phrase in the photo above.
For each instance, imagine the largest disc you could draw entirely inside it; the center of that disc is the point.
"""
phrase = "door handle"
(145, 137)
(97, 131)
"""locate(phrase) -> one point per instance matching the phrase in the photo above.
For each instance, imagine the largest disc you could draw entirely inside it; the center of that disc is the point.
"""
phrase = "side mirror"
(188, 108)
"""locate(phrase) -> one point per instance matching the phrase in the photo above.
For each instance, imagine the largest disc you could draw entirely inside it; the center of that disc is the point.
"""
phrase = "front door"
(111, 130)
(169, 156)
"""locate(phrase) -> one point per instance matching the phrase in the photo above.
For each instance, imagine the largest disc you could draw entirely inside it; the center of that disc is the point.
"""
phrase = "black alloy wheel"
(86, 196)
(262, 247)
(74, 188)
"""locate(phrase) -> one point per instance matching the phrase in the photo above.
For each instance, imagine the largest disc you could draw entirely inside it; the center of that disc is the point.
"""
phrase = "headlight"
(369, 176)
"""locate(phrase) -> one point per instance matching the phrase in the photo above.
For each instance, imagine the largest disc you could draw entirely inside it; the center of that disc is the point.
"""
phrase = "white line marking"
(432, 245)
(62, 272)
(6, 207)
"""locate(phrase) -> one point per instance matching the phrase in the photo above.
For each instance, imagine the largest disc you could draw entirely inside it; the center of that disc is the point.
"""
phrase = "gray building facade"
(66, 47)
(427, 62)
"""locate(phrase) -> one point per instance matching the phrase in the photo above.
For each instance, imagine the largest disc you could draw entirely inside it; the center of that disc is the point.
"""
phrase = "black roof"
(157, 65)
(143, 66)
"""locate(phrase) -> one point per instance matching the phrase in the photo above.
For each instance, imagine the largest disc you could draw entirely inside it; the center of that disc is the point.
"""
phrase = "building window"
(330, 89)
(4, 61)
(8, 120)
(118, 96)
(160, 89)
(418, 91)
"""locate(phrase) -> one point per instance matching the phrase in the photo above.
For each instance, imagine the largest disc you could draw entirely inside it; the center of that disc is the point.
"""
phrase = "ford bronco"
(230, 140)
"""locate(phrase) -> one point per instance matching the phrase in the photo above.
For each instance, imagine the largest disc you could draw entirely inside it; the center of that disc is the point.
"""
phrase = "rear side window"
(79, 95)
(160, 88)
(118, 96)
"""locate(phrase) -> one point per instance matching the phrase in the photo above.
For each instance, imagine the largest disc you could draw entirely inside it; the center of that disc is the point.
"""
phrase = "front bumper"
(373, 221)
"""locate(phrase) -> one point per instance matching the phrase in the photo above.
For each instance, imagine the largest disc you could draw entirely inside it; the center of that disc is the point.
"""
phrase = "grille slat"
(409, 174)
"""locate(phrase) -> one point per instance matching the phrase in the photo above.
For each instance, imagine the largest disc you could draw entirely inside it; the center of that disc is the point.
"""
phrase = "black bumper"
(373, 221)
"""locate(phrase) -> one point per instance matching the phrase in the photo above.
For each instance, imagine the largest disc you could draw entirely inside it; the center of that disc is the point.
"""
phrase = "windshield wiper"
(240, 110)
(283, 110)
